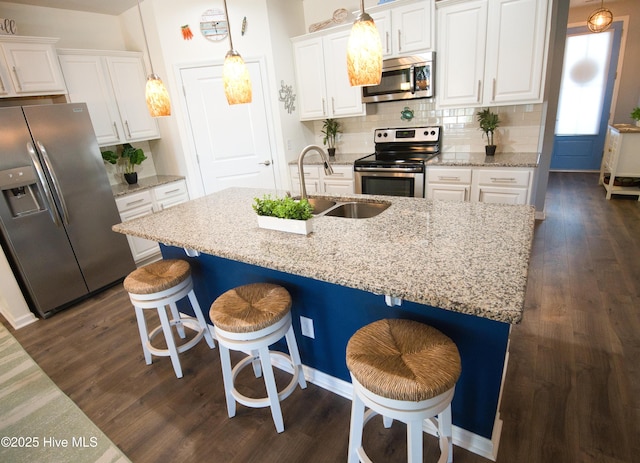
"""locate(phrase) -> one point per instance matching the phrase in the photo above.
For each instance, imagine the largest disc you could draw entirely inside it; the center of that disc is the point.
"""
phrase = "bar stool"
(405, 371)
(250, 318)
(155, 286)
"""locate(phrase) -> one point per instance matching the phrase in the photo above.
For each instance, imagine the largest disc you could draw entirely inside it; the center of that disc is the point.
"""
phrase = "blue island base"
(337, 312)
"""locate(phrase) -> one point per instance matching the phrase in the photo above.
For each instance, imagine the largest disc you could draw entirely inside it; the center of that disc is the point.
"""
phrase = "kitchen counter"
(444, 159)
(464, 257)
(626, 128)
(143, 184)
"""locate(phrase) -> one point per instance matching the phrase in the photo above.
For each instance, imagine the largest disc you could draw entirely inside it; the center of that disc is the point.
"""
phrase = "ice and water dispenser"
(20, 191)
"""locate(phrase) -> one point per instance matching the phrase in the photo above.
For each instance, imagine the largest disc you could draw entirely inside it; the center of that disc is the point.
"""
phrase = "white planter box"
(302, 227)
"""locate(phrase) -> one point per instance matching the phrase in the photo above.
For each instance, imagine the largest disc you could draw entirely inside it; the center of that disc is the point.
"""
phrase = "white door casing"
(232, 143)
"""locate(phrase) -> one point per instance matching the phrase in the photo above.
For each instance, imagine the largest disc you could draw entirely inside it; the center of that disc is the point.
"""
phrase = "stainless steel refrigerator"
(57, 207)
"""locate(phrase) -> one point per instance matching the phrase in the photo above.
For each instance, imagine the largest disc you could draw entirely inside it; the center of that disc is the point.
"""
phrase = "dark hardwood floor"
(571, 393)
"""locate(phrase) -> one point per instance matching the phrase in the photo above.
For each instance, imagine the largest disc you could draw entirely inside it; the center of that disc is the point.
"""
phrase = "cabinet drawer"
(452, 176)
(341, 172)
(504, 177)
(170, 191)
(309, 172)
(134, 201)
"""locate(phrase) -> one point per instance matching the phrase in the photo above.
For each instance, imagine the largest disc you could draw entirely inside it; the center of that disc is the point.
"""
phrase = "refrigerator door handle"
(45, 185)
(56, 184)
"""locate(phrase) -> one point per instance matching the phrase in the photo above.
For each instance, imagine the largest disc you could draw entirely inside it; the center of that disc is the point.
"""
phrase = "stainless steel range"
(397, 168)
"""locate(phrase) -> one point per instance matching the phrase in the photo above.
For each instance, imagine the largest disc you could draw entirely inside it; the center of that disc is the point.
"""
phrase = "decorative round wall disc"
(214, 25)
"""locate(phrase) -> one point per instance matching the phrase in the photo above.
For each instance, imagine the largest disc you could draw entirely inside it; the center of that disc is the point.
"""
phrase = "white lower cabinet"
(146, 202)
(316, 181)
(508, 185)
(450, 184)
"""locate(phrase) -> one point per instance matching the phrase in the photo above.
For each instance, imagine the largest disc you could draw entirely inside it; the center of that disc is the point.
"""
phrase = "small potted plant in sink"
(489, 122)
(284, 214)
(635, 114)
(330, 129)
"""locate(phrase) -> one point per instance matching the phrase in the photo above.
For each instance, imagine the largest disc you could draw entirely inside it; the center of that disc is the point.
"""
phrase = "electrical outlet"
(289, 145)
(306, 325)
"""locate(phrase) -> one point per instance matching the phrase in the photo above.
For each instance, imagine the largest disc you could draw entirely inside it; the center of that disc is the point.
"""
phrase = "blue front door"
(588, 77)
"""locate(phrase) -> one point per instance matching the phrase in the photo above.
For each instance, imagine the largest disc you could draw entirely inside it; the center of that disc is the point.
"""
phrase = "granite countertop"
(460, 256)
(626, 128)
(444, 159)
(145, 183)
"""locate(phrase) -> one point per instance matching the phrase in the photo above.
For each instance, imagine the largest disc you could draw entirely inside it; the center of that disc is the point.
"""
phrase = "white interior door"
(232, 142)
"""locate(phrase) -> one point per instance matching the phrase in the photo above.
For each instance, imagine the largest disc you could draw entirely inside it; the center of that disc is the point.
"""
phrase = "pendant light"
(364, 51)
(158, 102)
(235, 75)
(600, 19)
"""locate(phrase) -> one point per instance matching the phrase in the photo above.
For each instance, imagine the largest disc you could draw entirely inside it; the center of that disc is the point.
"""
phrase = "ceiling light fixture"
(235, 75)
(600, 19)
(158, 102)
(364, 51)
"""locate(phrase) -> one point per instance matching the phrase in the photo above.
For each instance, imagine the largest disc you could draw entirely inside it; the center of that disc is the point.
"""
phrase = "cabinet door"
(6, 88)
(131, 207)
(448, 192)
(382, 19)
(515, 51)
(88, 82)
(311, 179)
(34, 68)
(343, 99)
(488, 194)
(309, 62)
(412, 27)
(129, 80)
(461, 50)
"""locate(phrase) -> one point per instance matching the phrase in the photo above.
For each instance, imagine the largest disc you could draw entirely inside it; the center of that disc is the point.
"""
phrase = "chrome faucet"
(325, 159)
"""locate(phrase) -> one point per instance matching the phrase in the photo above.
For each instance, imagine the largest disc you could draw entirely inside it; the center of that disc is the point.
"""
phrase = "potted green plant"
(330, 128)
(489, 122)
(635, 114)
(131, 156)
(284, 214)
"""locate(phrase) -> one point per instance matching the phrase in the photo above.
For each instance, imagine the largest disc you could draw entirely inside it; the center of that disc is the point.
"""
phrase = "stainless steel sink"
(358, 210)
(320, 205)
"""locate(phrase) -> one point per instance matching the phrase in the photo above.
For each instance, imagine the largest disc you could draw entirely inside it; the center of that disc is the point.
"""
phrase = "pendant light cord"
(226, 13)
(144, 33)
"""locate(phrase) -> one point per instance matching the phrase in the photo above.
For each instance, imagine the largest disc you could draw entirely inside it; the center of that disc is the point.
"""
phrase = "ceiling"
(116, 7)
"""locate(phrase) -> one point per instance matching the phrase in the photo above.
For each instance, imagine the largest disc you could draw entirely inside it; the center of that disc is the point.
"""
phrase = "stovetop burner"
(403, 147)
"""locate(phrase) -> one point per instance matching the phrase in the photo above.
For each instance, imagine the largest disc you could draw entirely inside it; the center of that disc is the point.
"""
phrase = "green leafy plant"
(635, 114)
(330, 128)
(489, 122)
(283, 208)
(132, 157)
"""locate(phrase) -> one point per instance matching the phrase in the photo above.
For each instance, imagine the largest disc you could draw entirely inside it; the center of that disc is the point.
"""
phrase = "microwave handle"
(412, 79)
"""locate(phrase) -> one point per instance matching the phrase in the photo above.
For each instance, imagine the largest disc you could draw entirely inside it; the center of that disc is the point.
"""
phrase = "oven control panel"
(409, 135)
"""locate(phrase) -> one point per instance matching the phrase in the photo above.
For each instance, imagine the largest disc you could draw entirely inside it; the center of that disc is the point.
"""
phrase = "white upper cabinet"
(29, 67)
(321, 75)
(406, 29)
(491, 53)
(113, 86)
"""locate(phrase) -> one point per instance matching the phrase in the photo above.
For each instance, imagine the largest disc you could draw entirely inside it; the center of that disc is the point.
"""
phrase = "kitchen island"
(459, 266)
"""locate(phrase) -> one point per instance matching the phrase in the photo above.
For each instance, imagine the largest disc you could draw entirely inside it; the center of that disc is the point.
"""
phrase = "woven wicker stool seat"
(407, 371)
(156, 286)
(250, 318)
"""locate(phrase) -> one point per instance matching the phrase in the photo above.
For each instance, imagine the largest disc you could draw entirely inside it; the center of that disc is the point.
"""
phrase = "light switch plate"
(306, 326)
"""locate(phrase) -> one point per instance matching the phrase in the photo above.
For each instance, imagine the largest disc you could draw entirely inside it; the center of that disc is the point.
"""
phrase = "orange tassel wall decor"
(186, 32)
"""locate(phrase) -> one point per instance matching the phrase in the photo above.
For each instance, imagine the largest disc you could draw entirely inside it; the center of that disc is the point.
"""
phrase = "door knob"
(266, 163)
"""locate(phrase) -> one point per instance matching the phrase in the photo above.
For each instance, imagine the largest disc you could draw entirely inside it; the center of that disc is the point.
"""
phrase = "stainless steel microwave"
(403, 78)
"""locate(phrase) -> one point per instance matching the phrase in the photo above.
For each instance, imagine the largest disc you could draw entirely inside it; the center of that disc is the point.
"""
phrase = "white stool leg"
(272, 391)
(444, 428)
(200, 317)
(292, 345)
(356, 428)
(176, 319)
(144, 334)
(171, 344)
(257, 369)
(227, 379)
(414, 441)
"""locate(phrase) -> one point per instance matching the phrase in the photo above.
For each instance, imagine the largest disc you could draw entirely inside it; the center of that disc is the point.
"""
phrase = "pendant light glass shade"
(156, 94)
(600, 20)
(235, 75)
(236, 79)
(364, 51)
(157, 97)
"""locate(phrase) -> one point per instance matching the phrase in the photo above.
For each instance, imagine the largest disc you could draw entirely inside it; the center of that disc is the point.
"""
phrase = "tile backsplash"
(519, 129)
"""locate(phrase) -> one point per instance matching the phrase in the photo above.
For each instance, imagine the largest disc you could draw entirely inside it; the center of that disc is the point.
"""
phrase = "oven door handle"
(389, 169)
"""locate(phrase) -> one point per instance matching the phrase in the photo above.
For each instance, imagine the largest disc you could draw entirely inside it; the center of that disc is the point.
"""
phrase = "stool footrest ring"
(188, 322)
(264, 401)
